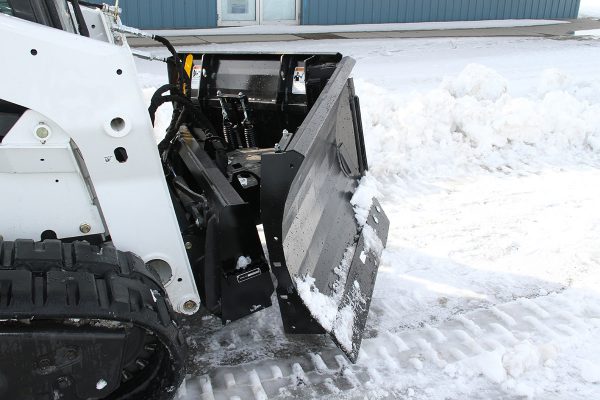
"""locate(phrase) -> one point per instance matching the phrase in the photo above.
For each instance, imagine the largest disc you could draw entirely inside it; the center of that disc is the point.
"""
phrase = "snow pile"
(471, 123)
(477, 81)
(589, 8)
(590, 371)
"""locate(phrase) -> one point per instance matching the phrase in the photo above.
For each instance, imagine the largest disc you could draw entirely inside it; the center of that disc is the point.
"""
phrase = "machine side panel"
(89, 89)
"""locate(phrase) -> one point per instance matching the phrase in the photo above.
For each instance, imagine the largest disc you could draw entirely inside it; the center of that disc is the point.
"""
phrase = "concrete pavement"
(558, 30)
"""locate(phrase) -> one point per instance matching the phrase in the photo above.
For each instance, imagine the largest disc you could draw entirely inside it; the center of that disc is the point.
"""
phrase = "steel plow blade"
(324, 261)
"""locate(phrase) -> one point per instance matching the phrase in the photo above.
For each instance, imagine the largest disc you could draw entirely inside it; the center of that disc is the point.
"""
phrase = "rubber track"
(52, 280)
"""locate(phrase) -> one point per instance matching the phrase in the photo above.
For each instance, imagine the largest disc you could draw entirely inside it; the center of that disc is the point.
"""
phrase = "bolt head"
(190, 305)
(85, 228)
(188, 245)
(42, 132)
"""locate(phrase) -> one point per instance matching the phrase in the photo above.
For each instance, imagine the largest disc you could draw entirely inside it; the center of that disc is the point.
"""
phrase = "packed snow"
(485, 155)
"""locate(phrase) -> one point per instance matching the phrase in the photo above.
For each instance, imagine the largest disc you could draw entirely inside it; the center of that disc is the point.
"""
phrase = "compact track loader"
(108, 239)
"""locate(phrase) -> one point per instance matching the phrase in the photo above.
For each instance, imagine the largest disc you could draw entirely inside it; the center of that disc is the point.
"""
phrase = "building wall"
(329, 12)
(168, 14)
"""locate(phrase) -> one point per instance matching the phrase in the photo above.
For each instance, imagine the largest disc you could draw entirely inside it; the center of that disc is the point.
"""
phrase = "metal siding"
(401, 13)
(168, 14)
(322, 13)
(563, 7)
(394, 10)
(349, 11)
(368, 10)
(575, 9)
(165, 14)
(376, 10)
(471, 9)
(521, 9)
(478, 9)
(433, 10)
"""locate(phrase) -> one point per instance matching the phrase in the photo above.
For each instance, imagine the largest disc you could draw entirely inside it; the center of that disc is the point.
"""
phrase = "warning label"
(299, 85)
(196, 75)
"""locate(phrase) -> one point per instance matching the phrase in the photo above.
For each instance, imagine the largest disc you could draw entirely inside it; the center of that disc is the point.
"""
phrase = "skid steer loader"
(107, 239)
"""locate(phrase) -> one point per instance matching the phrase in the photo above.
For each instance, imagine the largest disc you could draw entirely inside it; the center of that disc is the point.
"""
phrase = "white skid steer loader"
(107, 239)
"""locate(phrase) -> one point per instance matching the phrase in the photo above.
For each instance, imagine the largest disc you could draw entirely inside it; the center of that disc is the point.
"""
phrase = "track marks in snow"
(500, 343)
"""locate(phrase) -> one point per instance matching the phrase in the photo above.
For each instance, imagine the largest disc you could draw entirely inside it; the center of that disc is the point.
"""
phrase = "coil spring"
(249, 135)
(229, 134)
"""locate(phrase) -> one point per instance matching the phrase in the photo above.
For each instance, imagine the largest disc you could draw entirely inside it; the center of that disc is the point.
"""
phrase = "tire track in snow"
(454, 342)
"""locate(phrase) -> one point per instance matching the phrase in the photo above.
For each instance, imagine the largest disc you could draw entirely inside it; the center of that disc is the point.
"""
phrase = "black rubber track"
(57, 287)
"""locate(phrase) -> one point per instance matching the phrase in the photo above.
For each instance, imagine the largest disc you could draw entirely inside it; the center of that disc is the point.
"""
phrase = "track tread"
(457, 339)
(56, 281)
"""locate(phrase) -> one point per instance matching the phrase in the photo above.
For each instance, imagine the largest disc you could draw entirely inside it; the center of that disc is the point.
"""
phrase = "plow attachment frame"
(310, 225)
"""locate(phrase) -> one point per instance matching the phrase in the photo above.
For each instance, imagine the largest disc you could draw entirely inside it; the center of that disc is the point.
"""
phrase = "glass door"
(279, 12)
(254, 12)
(238, 12)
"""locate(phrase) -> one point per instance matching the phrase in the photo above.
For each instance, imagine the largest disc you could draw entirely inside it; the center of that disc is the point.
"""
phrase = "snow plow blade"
(324, 261)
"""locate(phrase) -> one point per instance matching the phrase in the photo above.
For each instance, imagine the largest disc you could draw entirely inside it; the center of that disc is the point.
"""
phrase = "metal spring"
(249, 135)
(229, 134)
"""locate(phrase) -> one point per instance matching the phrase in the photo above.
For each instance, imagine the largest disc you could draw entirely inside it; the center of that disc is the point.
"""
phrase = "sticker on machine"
(196, 75)
(299, 86)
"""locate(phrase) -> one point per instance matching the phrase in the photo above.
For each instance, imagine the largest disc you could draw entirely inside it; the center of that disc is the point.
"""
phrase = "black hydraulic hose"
(164, 99)
(176, 59)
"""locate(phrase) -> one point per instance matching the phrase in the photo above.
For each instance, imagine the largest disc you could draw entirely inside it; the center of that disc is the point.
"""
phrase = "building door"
(258, 12)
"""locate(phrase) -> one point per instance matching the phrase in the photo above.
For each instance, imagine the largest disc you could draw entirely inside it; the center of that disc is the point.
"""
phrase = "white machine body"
(82, 160)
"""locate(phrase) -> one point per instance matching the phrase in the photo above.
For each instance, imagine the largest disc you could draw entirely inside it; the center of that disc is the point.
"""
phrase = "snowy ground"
(486, 156)
(589, 8)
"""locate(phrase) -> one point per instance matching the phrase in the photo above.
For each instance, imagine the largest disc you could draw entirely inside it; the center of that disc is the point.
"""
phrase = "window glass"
(279, 10)
(238, 10)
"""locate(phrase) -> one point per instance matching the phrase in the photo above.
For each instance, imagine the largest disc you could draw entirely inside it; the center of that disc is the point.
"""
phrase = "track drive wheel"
(79, 321)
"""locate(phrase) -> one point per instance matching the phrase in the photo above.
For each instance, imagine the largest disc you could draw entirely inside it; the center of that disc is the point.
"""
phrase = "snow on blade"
(362, 200)
(326, 309)
(323, 308)
(243, 262)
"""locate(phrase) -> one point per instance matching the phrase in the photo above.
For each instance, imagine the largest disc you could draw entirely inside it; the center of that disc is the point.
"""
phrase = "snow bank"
(589, 8)
(471, 123)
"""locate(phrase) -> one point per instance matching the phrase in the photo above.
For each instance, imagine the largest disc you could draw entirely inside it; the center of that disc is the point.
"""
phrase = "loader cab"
(60, 14)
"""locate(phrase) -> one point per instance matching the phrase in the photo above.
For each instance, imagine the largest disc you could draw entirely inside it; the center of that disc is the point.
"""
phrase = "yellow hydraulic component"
(187, 67)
